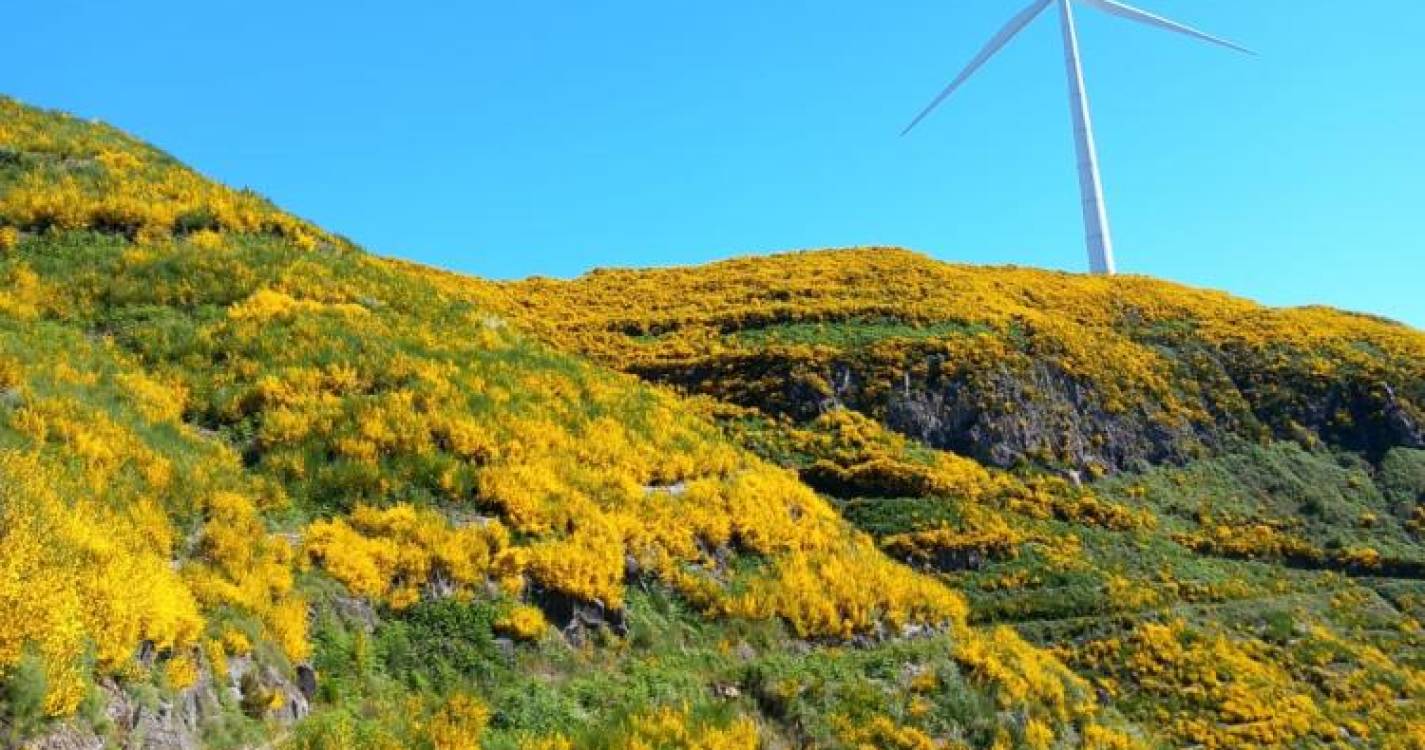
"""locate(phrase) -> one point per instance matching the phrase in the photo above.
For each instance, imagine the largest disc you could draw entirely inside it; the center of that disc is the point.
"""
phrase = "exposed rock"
(170, 724)
(264, 692)
(726, 691)
(1405, 423)
(307, 681)
(176, 722)
(1041, 416)
(1031, 411)
(576, 618)
(355, 610)
(69, 736)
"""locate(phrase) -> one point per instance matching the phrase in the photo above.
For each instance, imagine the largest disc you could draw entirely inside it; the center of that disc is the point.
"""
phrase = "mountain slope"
(1006, 365)
(1147, 477)
(254, 475)
(260, 488)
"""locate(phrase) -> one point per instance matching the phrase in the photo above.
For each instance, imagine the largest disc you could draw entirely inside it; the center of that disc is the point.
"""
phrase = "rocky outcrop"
(1029, 410)
(178, 722)
(576, 619)
(1041, 416)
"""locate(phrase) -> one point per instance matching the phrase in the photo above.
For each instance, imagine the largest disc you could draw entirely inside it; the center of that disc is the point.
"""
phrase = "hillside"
(1009, 366)
(243, 453)
(1208, 508)
(261, 488)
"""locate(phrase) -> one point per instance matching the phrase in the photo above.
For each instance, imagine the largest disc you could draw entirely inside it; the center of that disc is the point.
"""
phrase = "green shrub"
(22, 695)
(1402, 475)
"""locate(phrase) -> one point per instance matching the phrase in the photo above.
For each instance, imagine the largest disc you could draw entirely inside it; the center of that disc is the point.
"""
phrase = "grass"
(199, 378)
(851, 334)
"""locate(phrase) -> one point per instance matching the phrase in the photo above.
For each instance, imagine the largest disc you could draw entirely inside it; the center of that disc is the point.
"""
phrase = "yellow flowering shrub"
(103, 468)
(1251, 540)
(217, 657)
(240, 564)
(1020, 675)
(588, 564)
(673, 729)
(23, 295)
(181, 671)
(883, 733)
(390, 554)
(96, 177)
(75, 574)
(236, 642)
(856, 454)
(842, 592)
(459, 724)
(1231, 693)
(1099, 737)
(984, 534)
(523, 622)
(155, 400)
(1051, 497)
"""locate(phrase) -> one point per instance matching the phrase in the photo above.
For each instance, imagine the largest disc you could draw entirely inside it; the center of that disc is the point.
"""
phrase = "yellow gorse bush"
(458, 724)
(389, 555)
(74, 574)
(1023, 676)
(94, 177)
(672, 729)
(240, 564)
(1235, 694)
(882, 732)
(90, 546)
(524, 622)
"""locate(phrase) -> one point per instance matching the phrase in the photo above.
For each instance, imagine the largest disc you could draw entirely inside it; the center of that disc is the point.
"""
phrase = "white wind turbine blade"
(1014, 26)
(1131, 13)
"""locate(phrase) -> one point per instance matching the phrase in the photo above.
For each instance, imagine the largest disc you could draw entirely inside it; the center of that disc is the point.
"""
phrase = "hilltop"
(1009, 366)
(260, 487)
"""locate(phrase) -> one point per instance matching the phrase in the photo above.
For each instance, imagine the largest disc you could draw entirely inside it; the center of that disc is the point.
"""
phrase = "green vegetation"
(261, 488)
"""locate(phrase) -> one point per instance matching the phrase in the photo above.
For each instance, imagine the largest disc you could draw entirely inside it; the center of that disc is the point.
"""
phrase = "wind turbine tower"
(1097, 236)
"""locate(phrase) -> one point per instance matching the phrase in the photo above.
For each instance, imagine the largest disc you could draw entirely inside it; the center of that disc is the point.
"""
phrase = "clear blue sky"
(548, 137)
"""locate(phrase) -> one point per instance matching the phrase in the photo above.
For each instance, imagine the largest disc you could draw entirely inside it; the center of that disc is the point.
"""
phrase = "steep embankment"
(254, 476)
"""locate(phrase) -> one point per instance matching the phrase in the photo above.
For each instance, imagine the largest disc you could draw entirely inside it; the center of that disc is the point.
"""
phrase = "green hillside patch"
(850, 334)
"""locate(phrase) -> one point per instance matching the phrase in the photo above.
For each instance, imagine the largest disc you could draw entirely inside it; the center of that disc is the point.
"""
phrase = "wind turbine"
(1097, 235)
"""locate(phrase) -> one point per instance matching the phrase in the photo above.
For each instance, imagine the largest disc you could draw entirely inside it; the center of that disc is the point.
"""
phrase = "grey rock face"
(577, 619)
(1028, 409)
(1041, 416)
(177, 722)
